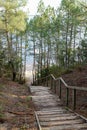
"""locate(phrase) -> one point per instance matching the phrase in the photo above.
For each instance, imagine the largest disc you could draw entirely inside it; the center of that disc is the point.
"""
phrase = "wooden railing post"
(51, 82)
(38, 81)
(43, 82)
(33, 79)
(47, 81)
(74, 99)
(60, 88)
(55, 86)
(67, 97)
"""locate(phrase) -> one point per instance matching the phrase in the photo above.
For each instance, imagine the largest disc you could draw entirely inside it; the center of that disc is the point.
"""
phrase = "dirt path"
(16, 107)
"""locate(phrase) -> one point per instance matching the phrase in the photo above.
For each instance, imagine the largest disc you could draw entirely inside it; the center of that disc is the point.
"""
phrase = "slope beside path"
(16, 107)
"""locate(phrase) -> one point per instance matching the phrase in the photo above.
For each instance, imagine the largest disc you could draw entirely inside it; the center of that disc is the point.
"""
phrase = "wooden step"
(15, 128)
(52, 112)
(3, 126)
(65, 122)
(67, 127)
(52, 108)
(58, 118)
(56, 115)
(52, 115)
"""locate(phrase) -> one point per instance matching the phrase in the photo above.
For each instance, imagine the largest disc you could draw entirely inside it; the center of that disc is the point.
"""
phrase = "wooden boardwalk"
(51, 114)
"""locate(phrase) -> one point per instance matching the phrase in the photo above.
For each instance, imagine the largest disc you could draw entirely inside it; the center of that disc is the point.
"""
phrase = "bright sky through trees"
(32, 5)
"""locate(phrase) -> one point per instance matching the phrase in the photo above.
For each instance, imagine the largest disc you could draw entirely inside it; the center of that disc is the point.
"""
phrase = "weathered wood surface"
(3, 126)
(52, 114)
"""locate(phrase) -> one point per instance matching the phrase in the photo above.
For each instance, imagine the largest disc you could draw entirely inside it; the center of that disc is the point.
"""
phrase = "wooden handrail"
(53, 76)
(61, 80)
(73, 87)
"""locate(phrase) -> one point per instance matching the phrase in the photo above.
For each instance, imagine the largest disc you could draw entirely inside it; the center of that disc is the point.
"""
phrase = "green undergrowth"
(28, 98)
(1, 111)
(2, 86)
(58, 71)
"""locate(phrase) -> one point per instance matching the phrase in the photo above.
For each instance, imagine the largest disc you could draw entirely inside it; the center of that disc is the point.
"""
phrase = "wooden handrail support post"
(38, 81)
(67, 97)
(47, 81)
(51, 82)
(60, 89)
(43, 82)
(55, 86)
(74, 99)
(33, 79)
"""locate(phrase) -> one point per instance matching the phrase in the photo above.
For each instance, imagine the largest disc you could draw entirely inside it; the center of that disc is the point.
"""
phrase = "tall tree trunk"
(21, 72)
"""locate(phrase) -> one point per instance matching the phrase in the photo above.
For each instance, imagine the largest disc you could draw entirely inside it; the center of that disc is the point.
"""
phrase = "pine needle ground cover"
(16, 107)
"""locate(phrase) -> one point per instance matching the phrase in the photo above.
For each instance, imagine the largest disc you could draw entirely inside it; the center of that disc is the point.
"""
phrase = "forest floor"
(16, 107)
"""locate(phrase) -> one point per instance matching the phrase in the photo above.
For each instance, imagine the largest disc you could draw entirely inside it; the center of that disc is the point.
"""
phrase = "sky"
(32, 5)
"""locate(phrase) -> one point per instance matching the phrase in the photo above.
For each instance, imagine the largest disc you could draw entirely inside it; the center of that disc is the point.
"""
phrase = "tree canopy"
(59, 35)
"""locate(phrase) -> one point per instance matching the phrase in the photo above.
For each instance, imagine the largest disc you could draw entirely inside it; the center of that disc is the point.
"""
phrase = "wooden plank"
(15, 128)
(56, 115)
(66, 122)
(67, 127)
(52, 113)
(58, 118)
(3, 126)
(51, 110)
(38, 122)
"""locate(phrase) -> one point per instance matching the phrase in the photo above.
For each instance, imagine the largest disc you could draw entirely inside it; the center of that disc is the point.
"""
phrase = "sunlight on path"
(28, 73)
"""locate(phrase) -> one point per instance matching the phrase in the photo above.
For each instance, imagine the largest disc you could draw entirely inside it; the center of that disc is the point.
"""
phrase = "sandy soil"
(16, 106)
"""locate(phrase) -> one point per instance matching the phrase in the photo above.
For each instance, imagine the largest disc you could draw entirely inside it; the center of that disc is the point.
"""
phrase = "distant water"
(30, 61)
(29, 67)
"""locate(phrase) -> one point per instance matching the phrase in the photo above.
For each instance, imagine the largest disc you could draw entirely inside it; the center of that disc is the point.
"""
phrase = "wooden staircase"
(51, 113)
